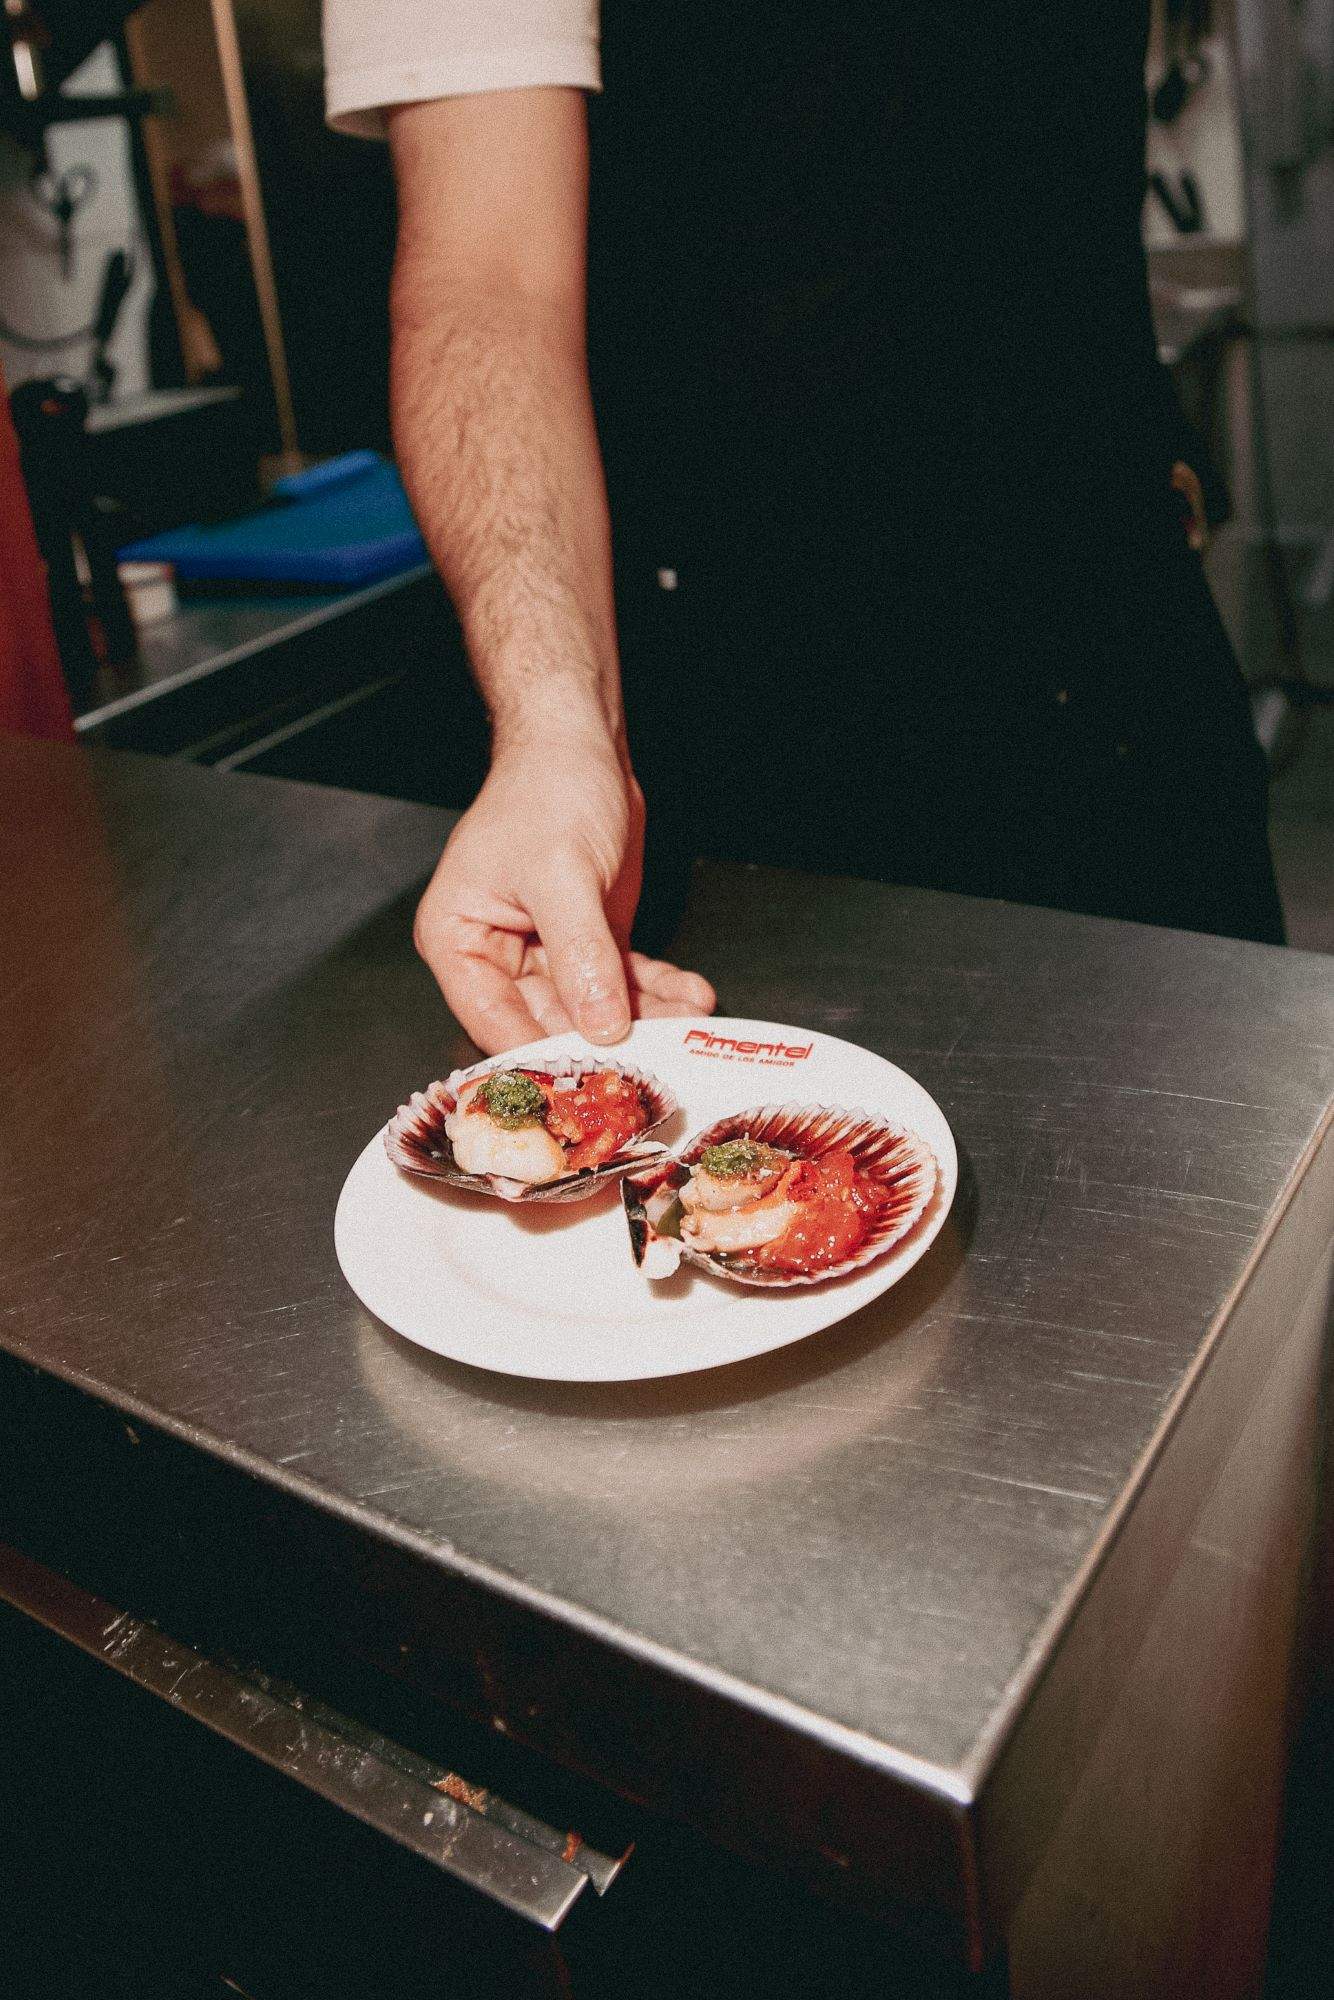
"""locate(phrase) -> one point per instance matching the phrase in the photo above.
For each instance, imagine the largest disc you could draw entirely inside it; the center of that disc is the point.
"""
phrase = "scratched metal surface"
(208, 1001)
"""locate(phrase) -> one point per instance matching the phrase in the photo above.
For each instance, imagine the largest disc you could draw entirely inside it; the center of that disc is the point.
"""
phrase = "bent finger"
(689, 992)
(582, 958)
(482, 996)
(488, 1006)
(649, 1008)
(544, 1004)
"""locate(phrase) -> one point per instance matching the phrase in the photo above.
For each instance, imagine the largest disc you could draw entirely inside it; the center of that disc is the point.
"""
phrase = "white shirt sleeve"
(383, 52)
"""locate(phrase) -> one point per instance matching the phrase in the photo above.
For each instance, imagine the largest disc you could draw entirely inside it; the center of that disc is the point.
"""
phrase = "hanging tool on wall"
(1182, 201)
(1186, 27)
(117, 277)
(64, 195)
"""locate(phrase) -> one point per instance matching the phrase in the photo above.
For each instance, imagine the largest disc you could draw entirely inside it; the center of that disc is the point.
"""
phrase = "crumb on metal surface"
(462, 1792)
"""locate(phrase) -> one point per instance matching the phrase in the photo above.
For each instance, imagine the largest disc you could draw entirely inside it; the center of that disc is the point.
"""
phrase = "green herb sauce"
(513, 1099)
(738, 1159)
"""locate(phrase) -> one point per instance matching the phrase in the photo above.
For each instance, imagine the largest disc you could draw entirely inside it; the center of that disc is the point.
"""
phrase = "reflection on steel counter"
(904, 1613)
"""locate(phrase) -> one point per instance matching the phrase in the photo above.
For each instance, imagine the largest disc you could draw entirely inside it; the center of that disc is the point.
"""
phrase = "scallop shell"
(899, 1160)
(415, 1137)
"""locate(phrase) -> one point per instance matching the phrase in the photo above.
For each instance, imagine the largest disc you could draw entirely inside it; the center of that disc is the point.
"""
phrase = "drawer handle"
(468, 1833)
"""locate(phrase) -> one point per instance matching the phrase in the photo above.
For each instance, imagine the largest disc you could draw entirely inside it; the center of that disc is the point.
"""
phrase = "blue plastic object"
(342, 523)
(319, 478)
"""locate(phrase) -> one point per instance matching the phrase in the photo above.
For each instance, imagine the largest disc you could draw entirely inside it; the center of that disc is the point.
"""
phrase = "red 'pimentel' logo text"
(711, 1044)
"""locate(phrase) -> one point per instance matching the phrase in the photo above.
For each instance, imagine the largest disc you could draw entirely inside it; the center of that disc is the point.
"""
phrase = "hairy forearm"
(495, 436)
(526, 923)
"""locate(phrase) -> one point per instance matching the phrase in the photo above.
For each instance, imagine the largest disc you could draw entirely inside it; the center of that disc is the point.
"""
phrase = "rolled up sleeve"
(378, 53)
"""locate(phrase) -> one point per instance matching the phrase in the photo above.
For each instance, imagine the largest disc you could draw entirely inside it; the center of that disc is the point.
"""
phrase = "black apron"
(902, 584)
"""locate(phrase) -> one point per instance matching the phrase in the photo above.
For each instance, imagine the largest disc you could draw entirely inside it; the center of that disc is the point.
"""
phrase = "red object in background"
(33, 700)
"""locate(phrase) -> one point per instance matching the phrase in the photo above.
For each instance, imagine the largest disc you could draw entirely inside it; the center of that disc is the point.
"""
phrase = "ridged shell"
(898, 1160)
(415, 1137)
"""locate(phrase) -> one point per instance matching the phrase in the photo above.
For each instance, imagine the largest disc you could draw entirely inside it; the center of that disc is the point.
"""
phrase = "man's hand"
(526, 922)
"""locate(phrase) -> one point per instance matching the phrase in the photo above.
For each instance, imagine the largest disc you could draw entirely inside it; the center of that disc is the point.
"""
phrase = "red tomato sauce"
(836, 1207)
(596, 1119)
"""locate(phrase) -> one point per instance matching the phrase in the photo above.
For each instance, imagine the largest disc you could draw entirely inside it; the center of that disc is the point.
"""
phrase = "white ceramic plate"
(551, 1291)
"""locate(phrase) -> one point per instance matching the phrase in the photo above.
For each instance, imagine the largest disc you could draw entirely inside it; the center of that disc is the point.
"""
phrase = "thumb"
(583, 958)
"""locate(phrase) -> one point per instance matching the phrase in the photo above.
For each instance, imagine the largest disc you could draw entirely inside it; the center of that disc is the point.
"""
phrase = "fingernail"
(604, 1021)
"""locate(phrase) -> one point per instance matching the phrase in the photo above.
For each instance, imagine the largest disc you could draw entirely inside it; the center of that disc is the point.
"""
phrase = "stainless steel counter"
(904, 1606)
(207, 636)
